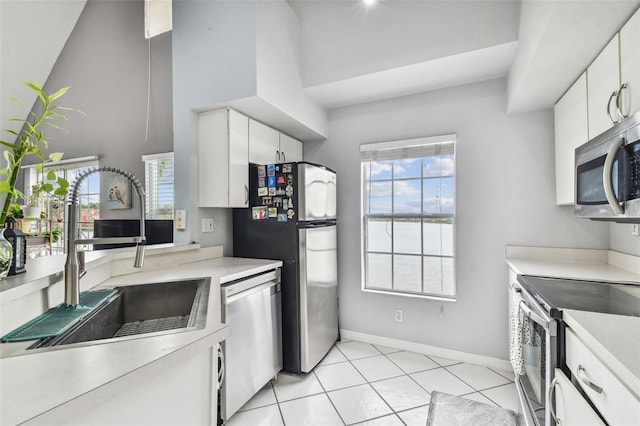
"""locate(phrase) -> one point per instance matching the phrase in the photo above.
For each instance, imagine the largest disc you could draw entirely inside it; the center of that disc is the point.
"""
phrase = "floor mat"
(449, 410)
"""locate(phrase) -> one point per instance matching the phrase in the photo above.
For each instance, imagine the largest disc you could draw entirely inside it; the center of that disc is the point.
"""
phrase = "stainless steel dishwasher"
(252, 355)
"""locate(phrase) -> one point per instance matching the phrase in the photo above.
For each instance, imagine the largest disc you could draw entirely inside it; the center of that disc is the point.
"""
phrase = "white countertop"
(581, 264)
(39, 380)
(614, 339)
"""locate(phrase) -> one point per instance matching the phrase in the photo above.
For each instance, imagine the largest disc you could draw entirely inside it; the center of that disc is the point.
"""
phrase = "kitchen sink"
(141, 309)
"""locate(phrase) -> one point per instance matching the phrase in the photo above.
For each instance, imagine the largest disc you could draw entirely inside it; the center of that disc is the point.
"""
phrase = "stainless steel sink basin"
(140, 309)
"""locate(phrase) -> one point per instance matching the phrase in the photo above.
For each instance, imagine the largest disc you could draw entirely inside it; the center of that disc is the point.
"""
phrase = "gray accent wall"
(105, 63)
(505, 194)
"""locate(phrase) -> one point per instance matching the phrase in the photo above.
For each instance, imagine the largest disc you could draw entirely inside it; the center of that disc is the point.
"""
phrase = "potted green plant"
(30, 140)
(33, 207)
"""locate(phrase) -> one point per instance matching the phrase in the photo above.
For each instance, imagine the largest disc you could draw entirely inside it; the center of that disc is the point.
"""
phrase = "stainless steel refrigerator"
(292, 217)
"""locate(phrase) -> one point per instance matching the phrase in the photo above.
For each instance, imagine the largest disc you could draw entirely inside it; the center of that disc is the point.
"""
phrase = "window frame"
(147, 159)
(422, 216)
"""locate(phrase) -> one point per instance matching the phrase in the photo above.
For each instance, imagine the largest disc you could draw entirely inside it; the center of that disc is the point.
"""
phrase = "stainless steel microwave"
(607, 174)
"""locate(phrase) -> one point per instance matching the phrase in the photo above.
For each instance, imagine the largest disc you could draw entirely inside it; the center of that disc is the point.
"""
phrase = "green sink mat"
(58, 319)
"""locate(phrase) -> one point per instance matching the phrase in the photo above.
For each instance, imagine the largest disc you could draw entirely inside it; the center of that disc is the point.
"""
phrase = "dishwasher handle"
(230, 299)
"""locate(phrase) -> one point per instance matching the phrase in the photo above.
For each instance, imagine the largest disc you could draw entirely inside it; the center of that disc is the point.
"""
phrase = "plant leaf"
(57, 94)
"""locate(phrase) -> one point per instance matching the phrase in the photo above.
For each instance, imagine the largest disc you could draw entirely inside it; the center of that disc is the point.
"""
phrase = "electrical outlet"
(398, 315)
(207, 224)
(635, 229)
(181, 220)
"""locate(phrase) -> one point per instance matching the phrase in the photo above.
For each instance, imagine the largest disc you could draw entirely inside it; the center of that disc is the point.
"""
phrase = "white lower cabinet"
(571, 407)
(178, 389)
(615, 402)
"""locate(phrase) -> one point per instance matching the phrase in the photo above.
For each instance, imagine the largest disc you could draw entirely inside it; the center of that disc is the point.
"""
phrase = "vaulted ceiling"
(351, 54)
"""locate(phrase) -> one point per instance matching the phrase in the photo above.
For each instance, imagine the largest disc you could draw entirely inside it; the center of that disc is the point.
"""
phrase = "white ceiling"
(352, 54)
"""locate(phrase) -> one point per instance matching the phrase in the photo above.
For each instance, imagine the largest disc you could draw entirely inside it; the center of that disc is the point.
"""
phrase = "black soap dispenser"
(19, 243)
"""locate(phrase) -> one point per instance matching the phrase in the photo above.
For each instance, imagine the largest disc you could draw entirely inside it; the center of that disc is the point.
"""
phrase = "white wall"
(32, 35)
(207, 69)
(505, 195)
(620, 239)
(345, 39)
(279, 81)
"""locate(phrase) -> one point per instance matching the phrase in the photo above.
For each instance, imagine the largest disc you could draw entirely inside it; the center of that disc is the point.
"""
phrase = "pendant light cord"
(146, 133)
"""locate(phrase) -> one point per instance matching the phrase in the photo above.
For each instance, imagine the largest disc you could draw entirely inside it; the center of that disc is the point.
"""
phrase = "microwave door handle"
(607, 179)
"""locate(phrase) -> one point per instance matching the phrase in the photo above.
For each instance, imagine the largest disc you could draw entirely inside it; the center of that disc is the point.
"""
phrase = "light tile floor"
(363, 384)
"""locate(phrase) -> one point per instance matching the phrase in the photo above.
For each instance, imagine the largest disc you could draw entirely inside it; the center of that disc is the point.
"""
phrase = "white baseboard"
(499, 364)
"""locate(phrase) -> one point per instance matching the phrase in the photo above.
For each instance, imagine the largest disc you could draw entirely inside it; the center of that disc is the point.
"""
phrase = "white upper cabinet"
(264, 143)
(570, 115)
(223, 157)
(603, 82)
(630, 64)
(269, 146)
(290, 149)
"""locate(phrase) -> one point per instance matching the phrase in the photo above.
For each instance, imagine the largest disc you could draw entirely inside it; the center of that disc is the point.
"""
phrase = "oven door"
(539, 356)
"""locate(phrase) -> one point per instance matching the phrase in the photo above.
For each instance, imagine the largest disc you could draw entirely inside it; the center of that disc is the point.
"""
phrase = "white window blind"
(408, 205)
(159, 185)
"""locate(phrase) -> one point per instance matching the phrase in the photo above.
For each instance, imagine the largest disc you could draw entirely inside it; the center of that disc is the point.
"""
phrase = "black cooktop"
(556, 294)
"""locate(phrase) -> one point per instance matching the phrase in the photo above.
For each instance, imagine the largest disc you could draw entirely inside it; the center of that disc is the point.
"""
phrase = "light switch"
(181, 220)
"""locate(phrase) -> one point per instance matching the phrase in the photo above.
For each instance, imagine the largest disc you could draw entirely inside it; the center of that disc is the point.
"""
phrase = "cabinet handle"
(582, 375)
(284, 157)
(277, 156)
(221, 371)
(621, 115)
(614, 94)
(552, 410)
(246, 195)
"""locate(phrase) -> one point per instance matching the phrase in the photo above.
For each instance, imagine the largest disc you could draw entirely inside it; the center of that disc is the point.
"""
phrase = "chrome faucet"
(74, 267)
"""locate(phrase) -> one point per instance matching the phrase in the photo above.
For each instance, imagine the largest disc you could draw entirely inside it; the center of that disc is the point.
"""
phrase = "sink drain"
(151, 326)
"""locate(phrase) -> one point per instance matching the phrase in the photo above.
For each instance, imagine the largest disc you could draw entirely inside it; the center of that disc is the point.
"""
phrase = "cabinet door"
(571, 407)
(630, 64)
(238, 160)
(290, 149)
(613, 399)
(570, 132)
(264, 143)
(603, 78)
(213, 155)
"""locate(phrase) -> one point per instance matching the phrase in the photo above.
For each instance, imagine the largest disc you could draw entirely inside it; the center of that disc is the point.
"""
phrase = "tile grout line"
(374, 389)
(371, 382)
(327, 394)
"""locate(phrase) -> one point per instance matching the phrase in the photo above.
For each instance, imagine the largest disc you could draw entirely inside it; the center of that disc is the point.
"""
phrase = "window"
(88, 195)
(158, 174)
(408, 205)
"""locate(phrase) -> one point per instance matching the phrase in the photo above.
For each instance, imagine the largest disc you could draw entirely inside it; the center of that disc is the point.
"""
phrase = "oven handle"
(606, 176)
(534, 316)
(552, 411)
